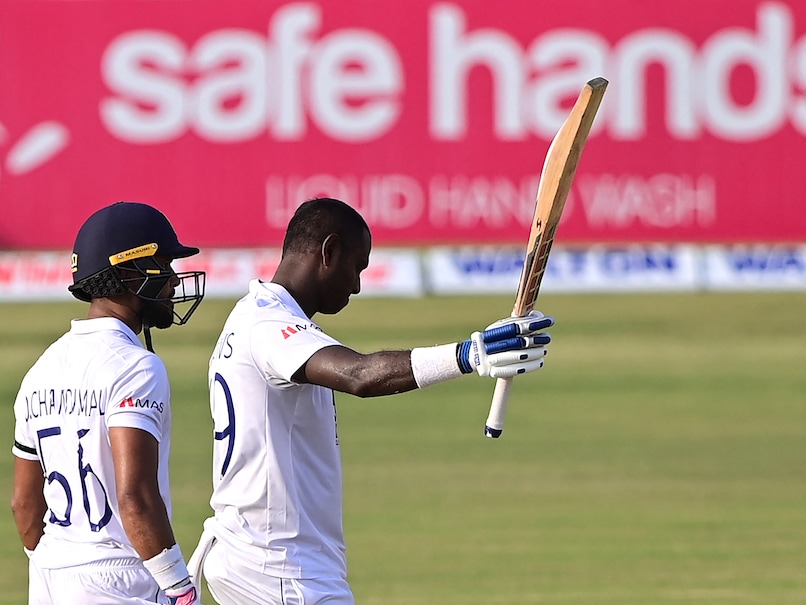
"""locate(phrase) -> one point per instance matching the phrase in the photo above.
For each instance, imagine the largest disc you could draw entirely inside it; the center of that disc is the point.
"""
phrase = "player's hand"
(184, 594)
(508, 347)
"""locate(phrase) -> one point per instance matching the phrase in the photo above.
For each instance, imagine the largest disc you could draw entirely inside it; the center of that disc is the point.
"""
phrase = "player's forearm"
(149, 529)
(29, 523)
(506, 348)
(372, 375)
(28, 501)
(142, 511)
(146, 523)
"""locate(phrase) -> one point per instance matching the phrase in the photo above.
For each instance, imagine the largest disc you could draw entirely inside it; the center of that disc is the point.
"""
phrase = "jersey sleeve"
(282, 343)
(141, 397)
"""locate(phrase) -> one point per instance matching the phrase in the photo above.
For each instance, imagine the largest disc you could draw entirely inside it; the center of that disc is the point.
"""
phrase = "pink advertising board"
(433, 118)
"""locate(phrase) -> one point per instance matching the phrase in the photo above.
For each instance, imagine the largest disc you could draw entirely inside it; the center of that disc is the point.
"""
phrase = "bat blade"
(556, 178)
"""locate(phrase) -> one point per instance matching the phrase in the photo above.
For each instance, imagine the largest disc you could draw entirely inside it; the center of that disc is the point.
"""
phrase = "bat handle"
(498, 408)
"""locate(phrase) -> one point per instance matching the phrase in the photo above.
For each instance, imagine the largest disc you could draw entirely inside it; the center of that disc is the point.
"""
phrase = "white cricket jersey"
(277, 476)
(96, 376)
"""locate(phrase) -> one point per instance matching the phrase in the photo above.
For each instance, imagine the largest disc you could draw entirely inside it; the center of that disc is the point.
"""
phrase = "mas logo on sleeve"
(289, 330)
(136, 402)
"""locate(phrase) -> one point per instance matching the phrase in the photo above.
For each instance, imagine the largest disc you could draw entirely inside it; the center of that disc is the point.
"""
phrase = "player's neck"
(293, 275)
(109, 307)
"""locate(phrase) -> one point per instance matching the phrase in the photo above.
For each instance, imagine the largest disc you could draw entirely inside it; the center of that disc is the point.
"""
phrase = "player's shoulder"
(59, 354)
(267, 300)
(140, 371)
(141, 359)
(52, 353)
(125, 356)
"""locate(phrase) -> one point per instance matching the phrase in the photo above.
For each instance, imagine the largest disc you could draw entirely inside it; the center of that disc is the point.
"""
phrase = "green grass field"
(659, 458)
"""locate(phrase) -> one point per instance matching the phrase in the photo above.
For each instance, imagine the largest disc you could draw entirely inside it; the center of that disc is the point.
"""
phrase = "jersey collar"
(260, 288)
(103, 324)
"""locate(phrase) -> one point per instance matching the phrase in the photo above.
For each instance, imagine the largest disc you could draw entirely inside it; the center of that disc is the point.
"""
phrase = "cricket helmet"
(128, 235)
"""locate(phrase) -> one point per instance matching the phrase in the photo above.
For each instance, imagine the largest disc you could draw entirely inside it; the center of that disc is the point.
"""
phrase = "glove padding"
(184, 594)
(508, 347)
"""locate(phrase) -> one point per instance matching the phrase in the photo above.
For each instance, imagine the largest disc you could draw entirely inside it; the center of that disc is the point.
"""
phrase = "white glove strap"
(478, 354)
(168, 568)
(431, 365)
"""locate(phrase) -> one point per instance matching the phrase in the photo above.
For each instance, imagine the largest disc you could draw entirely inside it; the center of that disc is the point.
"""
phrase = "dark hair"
(315, 219)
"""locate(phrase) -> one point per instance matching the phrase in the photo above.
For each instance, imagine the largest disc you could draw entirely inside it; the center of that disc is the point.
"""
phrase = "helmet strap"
(147, 335)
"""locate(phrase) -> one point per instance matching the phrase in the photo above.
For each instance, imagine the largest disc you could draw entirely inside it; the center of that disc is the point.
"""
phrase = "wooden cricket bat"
(558, 172)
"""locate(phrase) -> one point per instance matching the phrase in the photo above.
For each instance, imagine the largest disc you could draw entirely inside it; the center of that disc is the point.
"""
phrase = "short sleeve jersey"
(277, 475)
(96, 376)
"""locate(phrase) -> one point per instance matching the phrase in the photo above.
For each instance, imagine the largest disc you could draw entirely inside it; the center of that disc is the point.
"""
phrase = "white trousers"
(234, 584)
(113, 582)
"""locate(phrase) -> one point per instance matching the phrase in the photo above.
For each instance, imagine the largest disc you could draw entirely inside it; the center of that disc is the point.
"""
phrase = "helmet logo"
(74, 263)
(138, 252)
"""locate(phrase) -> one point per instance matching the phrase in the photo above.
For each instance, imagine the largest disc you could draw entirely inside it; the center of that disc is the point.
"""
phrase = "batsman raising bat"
(276, 533)
(555, 184)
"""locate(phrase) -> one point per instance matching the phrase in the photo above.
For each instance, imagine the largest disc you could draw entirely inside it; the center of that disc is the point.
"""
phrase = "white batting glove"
(508, 347)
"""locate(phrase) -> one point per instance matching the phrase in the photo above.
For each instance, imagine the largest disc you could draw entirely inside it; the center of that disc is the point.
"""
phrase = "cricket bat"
(558, 172)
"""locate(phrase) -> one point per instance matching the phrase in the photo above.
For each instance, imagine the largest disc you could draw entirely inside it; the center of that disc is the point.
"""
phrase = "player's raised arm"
(507, 348)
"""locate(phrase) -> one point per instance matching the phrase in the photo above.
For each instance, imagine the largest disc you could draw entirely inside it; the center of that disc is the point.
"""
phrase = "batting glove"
(508, 347)
(184, 594)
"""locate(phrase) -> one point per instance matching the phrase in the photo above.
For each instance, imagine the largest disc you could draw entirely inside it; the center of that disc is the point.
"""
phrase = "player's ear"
(331, 248)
